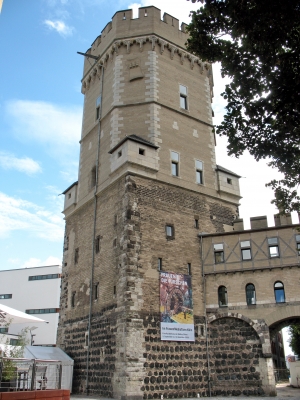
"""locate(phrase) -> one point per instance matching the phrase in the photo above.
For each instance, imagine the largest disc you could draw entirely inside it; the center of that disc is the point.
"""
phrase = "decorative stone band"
(155, 42)
(260, 327)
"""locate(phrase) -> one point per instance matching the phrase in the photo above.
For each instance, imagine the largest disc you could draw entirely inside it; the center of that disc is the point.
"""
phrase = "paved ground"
(284, 392)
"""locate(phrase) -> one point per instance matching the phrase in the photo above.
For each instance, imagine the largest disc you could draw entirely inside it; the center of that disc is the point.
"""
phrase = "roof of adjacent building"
(134, 138)
(219, 168)
(73, 184)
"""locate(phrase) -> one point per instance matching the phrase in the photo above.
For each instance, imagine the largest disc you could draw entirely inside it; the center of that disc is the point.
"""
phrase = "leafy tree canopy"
(294, 342)
(257, 43)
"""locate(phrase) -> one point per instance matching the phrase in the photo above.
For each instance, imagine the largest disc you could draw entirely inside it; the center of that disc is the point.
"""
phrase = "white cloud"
(21, 215)
(36, 262)
(60, 27)
(25, 164)
(57, 127)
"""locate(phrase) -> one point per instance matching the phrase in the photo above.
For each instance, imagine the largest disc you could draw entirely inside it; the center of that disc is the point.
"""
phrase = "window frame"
(250, 303)
(6, 296)
(219, 251)
(273, 246)
(225, 293)
(175, 163)
(277, 290)
(183, 97)
(246, 248)
(98, 108)
(76, 255)
(297, 238)
(199, 172)
(170, 236)
(97, 244)
(159, 264)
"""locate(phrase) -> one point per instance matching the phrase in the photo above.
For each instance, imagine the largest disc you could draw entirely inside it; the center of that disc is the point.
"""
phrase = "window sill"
(185, 110)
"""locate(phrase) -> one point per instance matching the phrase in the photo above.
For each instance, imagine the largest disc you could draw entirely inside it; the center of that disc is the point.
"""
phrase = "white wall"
(33, 295)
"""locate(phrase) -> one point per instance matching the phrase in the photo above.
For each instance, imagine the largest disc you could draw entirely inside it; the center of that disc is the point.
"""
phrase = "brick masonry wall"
(235, 350)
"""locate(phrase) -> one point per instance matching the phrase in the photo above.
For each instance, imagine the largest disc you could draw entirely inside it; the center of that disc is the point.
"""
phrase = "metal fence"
(281, 374)
(19, 374)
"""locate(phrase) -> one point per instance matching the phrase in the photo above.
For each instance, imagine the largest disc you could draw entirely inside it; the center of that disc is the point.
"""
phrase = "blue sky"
(40, 121)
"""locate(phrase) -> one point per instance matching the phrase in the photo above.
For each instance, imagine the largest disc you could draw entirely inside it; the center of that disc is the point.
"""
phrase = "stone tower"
(148, 184)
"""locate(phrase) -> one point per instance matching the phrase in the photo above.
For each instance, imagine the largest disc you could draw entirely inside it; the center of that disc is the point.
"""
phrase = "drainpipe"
(93, 241)
(200, 235)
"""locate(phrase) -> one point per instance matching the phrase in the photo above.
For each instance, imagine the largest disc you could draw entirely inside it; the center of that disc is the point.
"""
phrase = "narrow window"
(115, 243)
(73, 299)
(119, 153)
(124, 16)
(115, 290)
(66, 244)
(115, 219)
(273, 247)
(93, 177)
(229, 181)
(183, 97)
(199, 172)
(246, 250)
(142, 152)
(146, 14)
(219, 253)
(97, 244)
(76, 256)
(189, 268)
(250, 294)
(196, 223)
(279, 292)
(159, 264)
(298, 244)
(86, 338)
(174, 163)
(69, 195)
(96, 289)
(222, 296)
(98, 107)
(170, 232)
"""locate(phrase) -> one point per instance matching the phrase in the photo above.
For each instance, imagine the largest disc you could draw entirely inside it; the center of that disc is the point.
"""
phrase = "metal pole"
(60, 375)
(33, 375)
(93, 244)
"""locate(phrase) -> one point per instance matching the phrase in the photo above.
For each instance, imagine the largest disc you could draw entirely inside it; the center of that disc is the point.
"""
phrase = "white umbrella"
(10, 315)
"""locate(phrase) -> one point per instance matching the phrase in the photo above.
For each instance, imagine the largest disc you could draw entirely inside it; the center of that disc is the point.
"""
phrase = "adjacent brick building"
(148, 184)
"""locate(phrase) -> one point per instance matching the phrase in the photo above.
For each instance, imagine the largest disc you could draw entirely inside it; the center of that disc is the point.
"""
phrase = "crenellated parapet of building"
(261, 222)
(124, 33)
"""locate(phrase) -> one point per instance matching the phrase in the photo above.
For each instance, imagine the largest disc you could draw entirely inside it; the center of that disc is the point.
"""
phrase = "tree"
(257, 43)
(294, 342)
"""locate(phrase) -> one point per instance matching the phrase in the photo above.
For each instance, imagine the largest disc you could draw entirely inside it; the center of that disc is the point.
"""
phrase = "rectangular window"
(159, 264)
(76, 256)
(73, 299)
(199, 172)
(174, 163)
(298, 244)
(219, 253)
(5, 296)
(183, 97)
(246, 250)
(97, 244)
(14, 342)
(115, 290)
(189, 268)
(42, 277)
(273, 247)
(196, 223)
(98, 107)
(3, 330)
(96, 289)
(170, 232)
(142, 152)
(42, 311)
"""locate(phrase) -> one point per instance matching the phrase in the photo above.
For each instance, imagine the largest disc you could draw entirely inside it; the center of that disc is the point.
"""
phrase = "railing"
(281, 374)
(19, 374)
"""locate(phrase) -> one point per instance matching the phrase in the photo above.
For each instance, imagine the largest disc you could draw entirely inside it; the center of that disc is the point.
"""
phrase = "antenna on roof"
(86, 55)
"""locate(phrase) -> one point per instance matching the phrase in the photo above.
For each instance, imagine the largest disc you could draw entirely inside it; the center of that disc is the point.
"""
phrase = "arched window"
(222, 295)
(279, 292)
(250, 294)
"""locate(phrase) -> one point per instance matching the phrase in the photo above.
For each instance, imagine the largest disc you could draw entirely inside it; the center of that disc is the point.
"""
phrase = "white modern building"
(35, 291)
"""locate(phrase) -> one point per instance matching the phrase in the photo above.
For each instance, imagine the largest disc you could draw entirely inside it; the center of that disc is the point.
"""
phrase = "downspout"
(205, 315)
(94, 234)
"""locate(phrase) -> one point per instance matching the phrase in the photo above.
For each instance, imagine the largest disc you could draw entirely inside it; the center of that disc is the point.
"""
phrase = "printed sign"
(176, 307)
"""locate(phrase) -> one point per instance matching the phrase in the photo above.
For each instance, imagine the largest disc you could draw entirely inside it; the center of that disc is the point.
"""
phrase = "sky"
(40, 121)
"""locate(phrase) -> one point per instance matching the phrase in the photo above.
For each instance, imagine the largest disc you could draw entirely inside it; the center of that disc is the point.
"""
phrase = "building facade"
(148, 184)
(35, 291)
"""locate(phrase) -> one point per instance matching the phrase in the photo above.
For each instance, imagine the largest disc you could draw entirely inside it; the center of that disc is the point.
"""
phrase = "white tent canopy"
(9, 315)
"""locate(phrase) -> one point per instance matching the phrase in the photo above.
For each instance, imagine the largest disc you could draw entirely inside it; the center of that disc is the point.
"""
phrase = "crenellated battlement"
(261, 222)
(123, 29)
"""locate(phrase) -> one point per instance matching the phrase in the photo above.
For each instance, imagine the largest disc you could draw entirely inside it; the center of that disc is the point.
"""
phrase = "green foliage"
(257, 43)
(294, 342)
(17, 351)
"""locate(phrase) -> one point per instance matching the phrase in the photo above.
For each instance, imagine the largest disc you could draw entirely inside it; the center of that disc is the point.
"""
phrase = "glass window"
(183, 97)
(298, 244)
(250, 294)
(273, 247)
(199, 172)
(219, 253)
(170, 231)
(174, 163)
(246, 250)
(222, 296)
(279, 292)
(5, 296)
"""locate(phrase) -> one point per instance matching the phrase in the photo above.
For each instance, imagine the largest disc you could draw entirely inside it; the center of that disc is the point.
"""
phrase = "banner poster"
(176, 307)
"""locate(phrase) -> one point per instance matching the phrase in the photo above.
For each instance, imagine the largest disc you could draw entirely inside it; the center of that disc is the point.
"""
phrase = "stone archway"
(240, 356)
